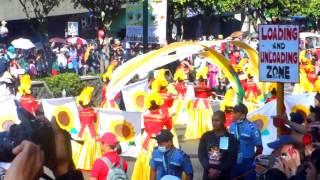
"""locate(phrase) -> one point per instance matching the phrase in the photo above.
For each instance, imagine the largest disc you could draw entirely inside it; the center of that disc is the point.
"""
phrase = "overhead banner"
(279, 53)
(134, 22)
(157, 22)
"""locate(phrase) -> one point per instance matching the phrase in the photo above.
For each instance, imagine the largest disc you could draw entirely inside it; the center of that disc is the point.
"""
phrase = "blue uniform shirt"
(248, 135)
(176, 160)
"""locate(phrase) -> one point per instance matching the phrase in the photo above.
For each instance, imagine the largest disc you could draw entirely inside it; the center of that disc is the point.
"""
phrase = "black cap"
(241, 108)
(164, 136)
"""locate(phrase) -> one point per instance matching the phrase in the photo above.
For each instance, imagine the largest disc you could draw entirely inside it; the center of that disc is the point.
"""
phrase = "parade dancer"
(27, 101)
(200, 111)
(180, 103)
(86, 154)
(105, 103)
(154, 121)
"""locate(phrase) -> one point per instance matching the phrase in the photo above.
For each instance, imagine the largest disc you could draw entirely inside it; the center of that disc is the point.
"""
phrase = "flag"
(133, 96)
(8, 111)
(126, 126)
(262, 117)
(65, 111)
(299, 103)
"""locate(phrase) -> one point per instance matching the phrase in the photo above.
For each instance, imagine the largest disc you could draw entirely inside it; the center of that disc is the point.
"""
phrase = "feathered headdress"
(202, 72)
(153, 97)
(85, 96)
(179, 75)
(25, 85)
(160, 74)
(108, 74)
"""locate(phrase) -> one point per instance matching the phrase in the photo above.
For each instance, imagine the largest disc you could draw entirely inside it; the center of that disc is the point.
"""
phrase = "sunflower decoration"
(272, 86)
(202, 72)
(25, 85)
(179, 75)
(299, 108)
(261, 122)
(108, 74)
(6, 121)
(64, 117)
(123, 129)
(153, 97)
(138, 100)
(84, 98)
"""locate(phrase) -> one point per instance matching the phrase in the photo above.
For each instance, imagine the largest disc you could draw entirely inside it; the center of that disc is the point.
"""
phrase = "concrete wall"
(12, 10)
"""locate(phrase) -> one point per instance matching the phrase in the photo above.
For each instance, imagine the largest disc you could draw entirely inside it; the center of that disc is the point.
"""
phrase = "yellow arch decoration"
(124, 73)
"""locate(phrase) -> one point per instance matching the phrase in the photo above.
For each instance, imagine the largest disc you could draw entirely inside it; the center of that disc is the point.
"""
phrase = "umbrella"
(58, 40)
(237, 34)
(77, 40)
(22, 43)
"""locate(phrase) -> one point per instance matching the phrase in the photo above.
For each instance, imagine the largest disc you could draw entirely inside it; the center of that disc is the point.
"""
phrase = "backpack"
(115, 173)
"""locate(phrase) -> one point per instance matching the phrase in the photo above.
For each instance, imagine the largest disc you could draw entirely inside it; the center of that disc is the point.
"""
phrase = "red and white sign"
(279, 53)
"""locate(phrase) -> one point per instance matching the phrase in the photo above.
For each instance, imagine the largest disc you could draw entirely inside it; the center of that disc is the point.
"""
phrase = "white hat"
(170, 177)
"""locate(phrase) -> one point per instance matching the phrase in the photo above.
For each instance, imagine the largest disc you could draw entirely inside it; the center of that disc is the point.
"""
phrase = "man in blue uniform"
(167, 160)
(250, 144)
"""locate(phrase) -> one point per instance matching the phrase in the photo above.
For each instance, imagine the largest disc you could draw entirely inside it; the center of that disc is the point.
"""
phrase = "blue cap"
(282, 140)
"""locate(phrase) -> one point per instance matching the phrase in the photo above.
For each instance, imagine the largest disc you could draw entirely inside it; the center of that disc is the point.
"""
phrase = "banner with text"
(279, 53)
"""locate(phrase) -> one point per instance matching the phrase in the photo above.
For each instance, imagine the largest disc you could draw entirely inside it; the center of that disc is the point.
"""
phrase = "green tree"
(39, 9)
(103, 10)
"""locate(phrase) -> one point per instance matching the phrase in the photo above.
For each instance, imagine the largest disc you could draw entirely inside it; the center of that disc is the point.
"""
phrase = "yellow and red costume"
(108, 103)
(85, 155)
(154, 121)
(87, 117)
(27, 101)
(252, 90)
(200, 111)
(180, 103)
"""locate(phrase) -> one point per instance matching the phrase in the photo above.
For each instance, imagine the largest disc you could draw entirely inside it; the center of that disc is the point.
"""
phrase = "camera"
(29, 129)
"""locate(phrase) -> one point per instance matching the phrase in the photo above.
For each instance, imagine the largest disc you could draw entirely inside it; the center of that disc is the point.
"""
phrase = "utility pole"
(145, 26)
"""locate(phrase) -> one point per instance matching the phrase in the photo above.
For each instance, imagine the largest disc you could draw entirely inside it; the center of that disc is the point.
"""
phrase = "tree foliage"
(40, 8)
(103, 10)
